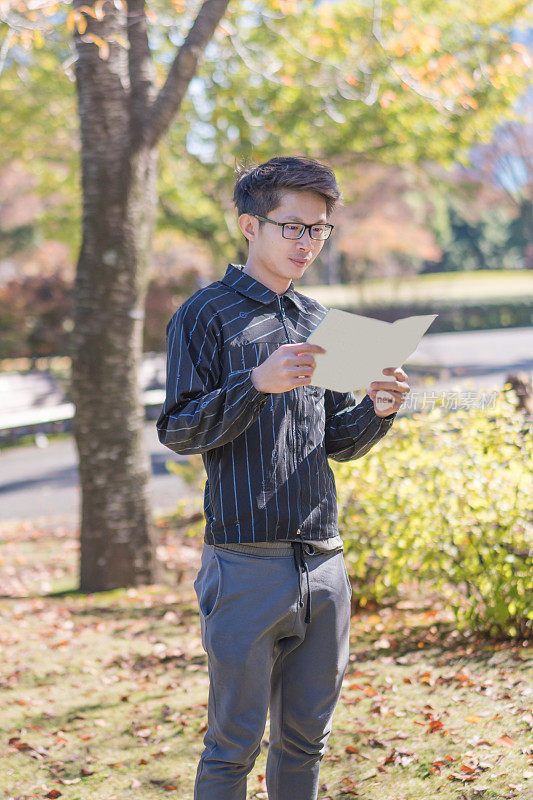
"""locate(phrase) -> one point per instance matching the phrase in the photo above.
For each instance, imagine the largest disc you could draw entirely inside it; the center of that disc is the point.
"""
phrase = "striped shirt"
(265, 454)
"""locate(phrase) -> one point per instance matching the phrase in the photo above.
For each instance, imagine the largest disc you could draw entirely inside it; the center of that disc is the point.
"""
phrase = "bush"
(445, 499)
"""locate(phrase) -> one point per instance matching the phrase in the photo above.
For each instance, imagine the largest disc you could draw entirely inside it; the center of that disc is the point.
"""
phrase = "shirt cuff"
(387, 421)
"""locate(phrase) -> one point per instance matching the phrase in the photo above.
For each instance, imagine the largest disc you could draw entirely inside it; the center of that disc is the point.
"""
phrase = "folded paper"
(358, 348)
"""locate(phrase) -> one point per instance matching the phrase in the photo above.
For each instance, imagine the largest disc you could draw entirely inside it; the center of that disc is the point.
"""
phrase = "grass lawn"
(105, 696)
(442, 287)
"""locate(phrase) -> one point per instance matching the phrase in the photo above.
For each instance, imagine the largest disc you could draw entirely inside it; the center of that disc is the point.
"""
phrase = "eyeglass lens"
(293, 230)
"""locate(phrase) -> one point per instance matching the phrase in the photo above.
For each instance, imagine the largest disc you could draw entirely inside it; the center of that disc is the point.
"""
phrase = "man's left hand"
(388, 401)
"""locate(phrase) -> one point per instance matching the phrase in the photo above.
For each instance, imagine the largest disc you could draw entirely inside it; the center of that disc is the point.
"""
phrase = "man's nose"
(305, 240)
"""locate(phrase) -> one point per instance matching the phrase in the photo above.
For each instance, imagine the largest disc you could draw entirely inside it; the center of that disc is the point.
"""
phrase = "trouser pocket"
(347, 576)
(208, 583)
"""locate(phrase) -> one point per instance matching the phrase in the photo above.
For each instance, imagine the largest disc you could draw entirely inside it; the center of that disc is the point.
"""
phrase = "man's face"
(274, 260)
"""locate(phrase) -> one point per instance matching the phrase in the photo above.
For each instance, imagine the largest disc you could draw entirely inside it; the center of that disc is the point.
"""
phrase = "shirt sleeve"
(202, 410)
(352, 430)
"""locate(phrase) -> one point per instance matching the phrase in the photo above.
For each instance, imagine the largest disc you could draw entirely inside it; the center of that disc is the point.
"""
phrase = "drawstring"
(301, 566)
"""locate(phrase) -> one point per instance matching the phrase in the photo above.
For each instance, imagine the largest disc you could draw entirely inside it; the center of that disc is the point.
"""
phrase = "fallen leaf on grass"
(401, 757)
(34, 752)
(366, 689)
(456, 776)
(85, 772)
(375, 743)
(162, 782)
(144, 733)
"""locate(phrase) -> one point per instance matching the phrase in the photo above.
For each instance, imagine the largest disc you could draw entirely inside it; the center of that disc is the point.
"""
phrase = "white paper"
(358, 348)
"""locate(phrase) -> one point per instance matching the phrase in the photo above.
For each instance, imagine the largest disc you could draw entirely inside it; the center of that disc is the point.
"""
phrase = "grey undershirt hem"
(324, 545)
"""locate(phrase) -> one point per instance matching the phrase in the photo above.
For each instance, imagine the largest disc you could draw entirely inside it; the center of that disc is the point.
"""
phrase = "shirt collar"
(250, 287)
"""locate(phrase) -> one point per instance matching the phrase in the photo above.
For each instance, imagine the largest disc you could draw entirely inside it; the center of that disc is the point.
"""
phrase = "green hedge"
(445, 499)
(455, 317)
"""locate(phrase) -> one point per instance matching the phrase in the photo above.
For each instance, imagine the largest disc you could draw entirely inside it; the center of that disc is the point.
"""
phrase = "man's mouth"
(300, 261)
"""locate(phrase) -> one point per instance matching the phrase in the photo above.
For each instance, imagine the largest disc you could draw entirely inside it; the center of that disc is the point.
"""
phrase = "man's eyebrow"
(320, 221)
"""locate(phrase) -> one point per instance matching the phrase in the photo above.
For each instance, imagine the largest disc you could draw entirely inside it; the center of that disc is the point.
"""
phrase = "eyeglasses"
(295, 230)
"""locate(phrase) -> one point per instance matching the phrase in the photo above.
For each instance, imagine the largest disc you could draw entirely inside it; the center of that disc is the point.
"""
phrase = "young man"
(273, 591)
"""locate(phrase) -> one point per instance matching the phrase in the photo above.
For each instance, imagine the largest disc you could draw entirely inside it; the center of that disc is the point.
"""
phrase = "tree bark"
(119, 129)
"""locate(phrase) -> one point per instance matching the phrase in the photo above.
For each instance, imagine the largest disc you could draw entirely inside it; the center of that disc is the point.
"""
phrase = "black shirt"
(266, 455)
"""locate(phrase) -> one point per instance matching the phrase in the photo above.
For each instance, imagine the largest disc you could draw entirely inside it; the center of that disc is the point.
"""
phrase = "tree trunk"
(119, 205)
(122, 119)
(526, 209)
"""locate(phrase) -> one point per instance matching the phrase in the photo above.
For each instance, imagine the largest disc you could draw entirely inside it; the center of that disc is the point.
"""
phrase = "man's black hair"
(260, 187)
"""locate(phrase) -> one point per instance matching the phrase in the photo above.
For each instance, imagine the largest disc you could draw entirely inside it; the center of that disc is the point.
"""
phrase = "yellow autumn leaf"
(71, 20)
(87, 10)
(468, 102)
(26, 39)
(402, 12)
(387, 98)
(103, 46)
(287, 6)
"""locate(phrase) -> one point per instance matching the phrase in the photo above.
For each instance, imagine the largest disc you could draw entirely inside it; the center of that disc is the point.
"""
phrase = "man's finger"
(307, 347)
(393, 370)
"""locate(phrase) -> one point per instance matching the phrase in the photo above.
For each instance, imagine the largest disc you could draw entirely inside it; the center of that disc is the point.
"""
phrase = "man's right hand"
(289, 366)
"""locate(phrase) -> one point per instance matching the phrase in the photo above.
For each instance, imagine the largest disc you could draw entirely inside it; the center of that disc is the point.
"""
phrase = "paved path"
(42, 483)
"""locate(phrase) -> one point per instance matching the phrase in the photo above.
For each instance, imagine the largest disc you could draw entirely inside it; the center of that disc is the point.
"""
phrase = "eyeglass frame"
(305, 227)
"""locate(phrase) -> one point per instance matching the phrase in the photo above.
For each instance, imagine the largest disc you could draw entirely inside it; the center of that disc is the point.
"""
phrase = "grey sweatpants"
(262, 653)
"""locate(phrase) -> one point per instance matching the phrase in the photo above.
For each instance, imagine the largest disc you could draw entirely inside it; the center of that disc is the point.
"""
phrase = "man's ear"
(248, 226)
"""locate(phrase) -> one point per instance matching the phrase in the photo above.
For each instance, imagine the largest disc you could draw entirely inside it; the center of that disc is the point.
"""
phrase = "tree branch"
(183, 70)
(140, 65)
(437, 102)
(5, 49)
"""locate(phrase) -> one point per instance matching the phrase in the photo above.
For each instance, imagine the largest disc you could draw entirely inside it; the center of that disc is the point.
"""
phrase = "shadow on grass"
(435, 640)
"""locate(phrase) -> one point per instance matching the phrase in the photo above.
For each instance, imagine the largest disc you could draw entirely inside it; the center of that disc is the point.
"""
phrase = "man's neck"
(269, 281)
